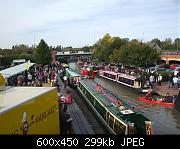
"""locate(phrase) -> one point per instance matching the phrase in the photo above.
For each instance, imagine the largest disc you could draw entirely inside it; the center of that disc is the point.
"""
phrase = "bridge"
(61, 56)
(170, 57)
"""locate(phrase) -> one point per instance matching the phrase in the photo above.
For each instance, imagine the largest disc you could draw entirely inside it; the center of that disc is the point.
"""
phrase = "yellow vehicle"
(29, 110)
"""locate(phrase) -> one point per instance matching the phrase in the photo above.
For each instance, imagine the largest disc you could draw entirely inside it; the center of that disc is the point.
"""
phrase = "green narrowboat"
(74, 77)
(116, 119)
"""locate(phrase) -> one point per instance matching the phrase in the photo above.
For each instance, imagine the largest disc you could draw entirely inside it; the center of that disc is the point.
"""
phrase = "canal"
(166, 120)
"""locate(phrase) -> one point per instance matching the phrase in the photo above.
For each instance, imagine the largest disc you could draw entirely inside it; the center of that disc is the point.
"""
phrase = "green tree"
(114, 57)
(156, 41)
(176, 44)
(137, 54)
(42, 53)
(20, 47)
(58, 48)
(26, 57)
(167, 44)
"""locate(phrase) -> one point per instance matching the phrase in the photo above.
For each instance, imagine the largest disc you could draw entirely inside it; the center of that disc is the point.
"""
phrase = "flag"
(28, 65)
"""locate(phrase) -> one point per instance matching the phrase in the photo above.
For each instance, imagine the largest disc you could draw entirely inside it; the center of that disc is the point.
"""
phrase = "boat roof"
(64, 65)
(122, 75)
(127, 76)
(111, 72)
(127, 115)
(72, 73)
(15, 70)
(13, 96)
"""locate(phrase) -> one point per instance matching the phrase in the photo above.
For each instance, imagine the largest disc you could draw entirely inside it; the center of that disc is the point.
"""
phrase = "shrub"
(165, 76)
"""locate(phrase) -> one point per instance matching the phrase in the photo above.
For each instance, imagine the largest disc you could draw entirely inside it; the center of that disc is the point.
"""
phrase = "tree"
(114, 57)
(20, 47)
(42, 53)
(86, 48)
(156, 41)
(137, 54)
(104, 47)
(167, 44)
(26, 57)
(58, 48)
(177, 44)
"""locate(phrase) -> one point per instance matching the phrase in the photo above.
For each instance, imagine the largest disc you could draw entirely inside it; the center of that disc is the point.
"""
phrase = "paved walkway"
(164, 89)
(80, 124)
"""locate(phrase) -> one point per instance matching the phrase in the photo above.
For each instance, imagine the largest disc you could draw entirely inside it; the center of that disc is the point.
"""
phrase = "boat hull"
(155, 102)
(137, 90)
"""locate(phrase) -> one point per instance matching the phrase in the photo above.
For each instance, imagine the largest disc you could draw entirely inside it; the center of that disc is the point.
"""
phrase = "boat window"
(111, 120)
(126, 80)
(119, 128)
(110, 76)
(100, 109)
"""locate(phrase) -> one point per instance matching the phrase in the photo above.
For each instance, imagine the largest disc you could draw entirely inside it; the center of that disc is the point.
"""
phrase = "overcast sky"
(78, 23)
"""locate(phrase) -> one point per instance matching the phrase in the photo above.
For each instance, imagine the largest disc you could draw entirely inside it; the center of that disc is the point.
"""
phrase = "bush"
(27, 57)
(165, 76)
(6, 60)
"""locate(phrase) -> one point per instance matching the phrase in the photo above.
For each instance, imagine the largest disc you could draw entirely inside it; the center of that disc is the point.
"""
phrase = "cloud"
(74, 22)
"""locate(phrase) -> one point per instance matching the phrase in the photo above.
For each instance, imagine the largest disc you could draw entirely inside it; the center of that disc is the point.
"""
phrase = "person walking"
(159, 79)
(175, 81)
(151, 80)
(170, 80)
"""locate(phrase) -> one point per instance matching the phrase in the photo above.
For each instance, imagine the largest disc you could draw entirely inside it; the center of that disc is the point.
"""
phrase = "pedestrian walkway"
(80, 124)
(164, 89)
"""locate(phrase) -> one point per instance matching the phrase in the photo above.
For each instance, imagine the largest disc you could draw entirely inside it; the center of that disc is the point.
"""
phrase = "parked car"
(152, 69)
(173, 66)
(164, 65)
(170, 70)
(177, 68)
(159, 70)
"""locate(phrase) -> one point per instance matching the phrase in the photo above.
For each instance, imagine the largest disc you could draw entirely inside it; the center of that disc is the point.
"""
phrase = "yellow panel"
(2, 81)
(37, 116)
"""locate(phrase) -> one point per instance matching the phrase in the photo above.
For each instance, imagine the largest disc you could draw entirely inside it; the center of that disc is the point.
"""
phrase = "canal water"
(166, 120)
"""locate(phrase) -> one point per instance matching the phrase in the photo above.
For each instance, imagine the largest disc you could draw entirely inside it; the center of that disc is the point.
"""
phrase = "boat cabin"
(127, 80)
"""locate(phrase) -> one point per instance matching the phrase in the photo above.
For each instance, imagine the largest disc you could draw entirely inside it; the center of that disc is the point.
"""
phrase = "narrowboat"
(74, 77)
(87, 72)
(64, 65)
(124, 79)
(116, 118)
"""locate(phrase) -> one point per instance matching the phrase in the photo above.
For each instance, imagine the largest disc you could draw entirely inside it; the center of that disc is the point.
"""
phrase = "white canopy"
(15, 70)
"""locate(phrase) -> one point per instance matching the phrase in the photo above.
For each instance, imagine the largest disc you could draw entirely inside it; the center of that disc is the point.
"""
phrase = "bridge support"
(167, 61)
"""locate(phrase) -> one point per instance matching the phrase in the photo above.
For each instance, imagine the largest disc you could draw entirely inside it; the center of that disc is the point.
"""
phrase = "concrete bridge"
(170, 57)
(59, 56)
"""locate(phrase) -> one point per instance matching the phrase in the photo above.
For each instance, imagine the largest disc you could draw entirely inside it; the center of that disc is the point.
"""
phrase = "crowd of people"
(144, 74)
(38, 76)
(174, 81)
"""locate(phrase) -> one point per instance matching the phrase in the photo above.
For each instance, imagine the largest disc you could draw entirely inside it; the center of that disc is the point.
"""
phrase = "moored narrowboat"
(116, 118)
(124, 79)
(73, 77)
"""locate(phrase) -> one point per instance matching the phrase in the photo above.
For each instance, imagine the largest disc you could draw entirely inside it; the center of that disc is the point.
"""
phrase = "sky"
(79, 23)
